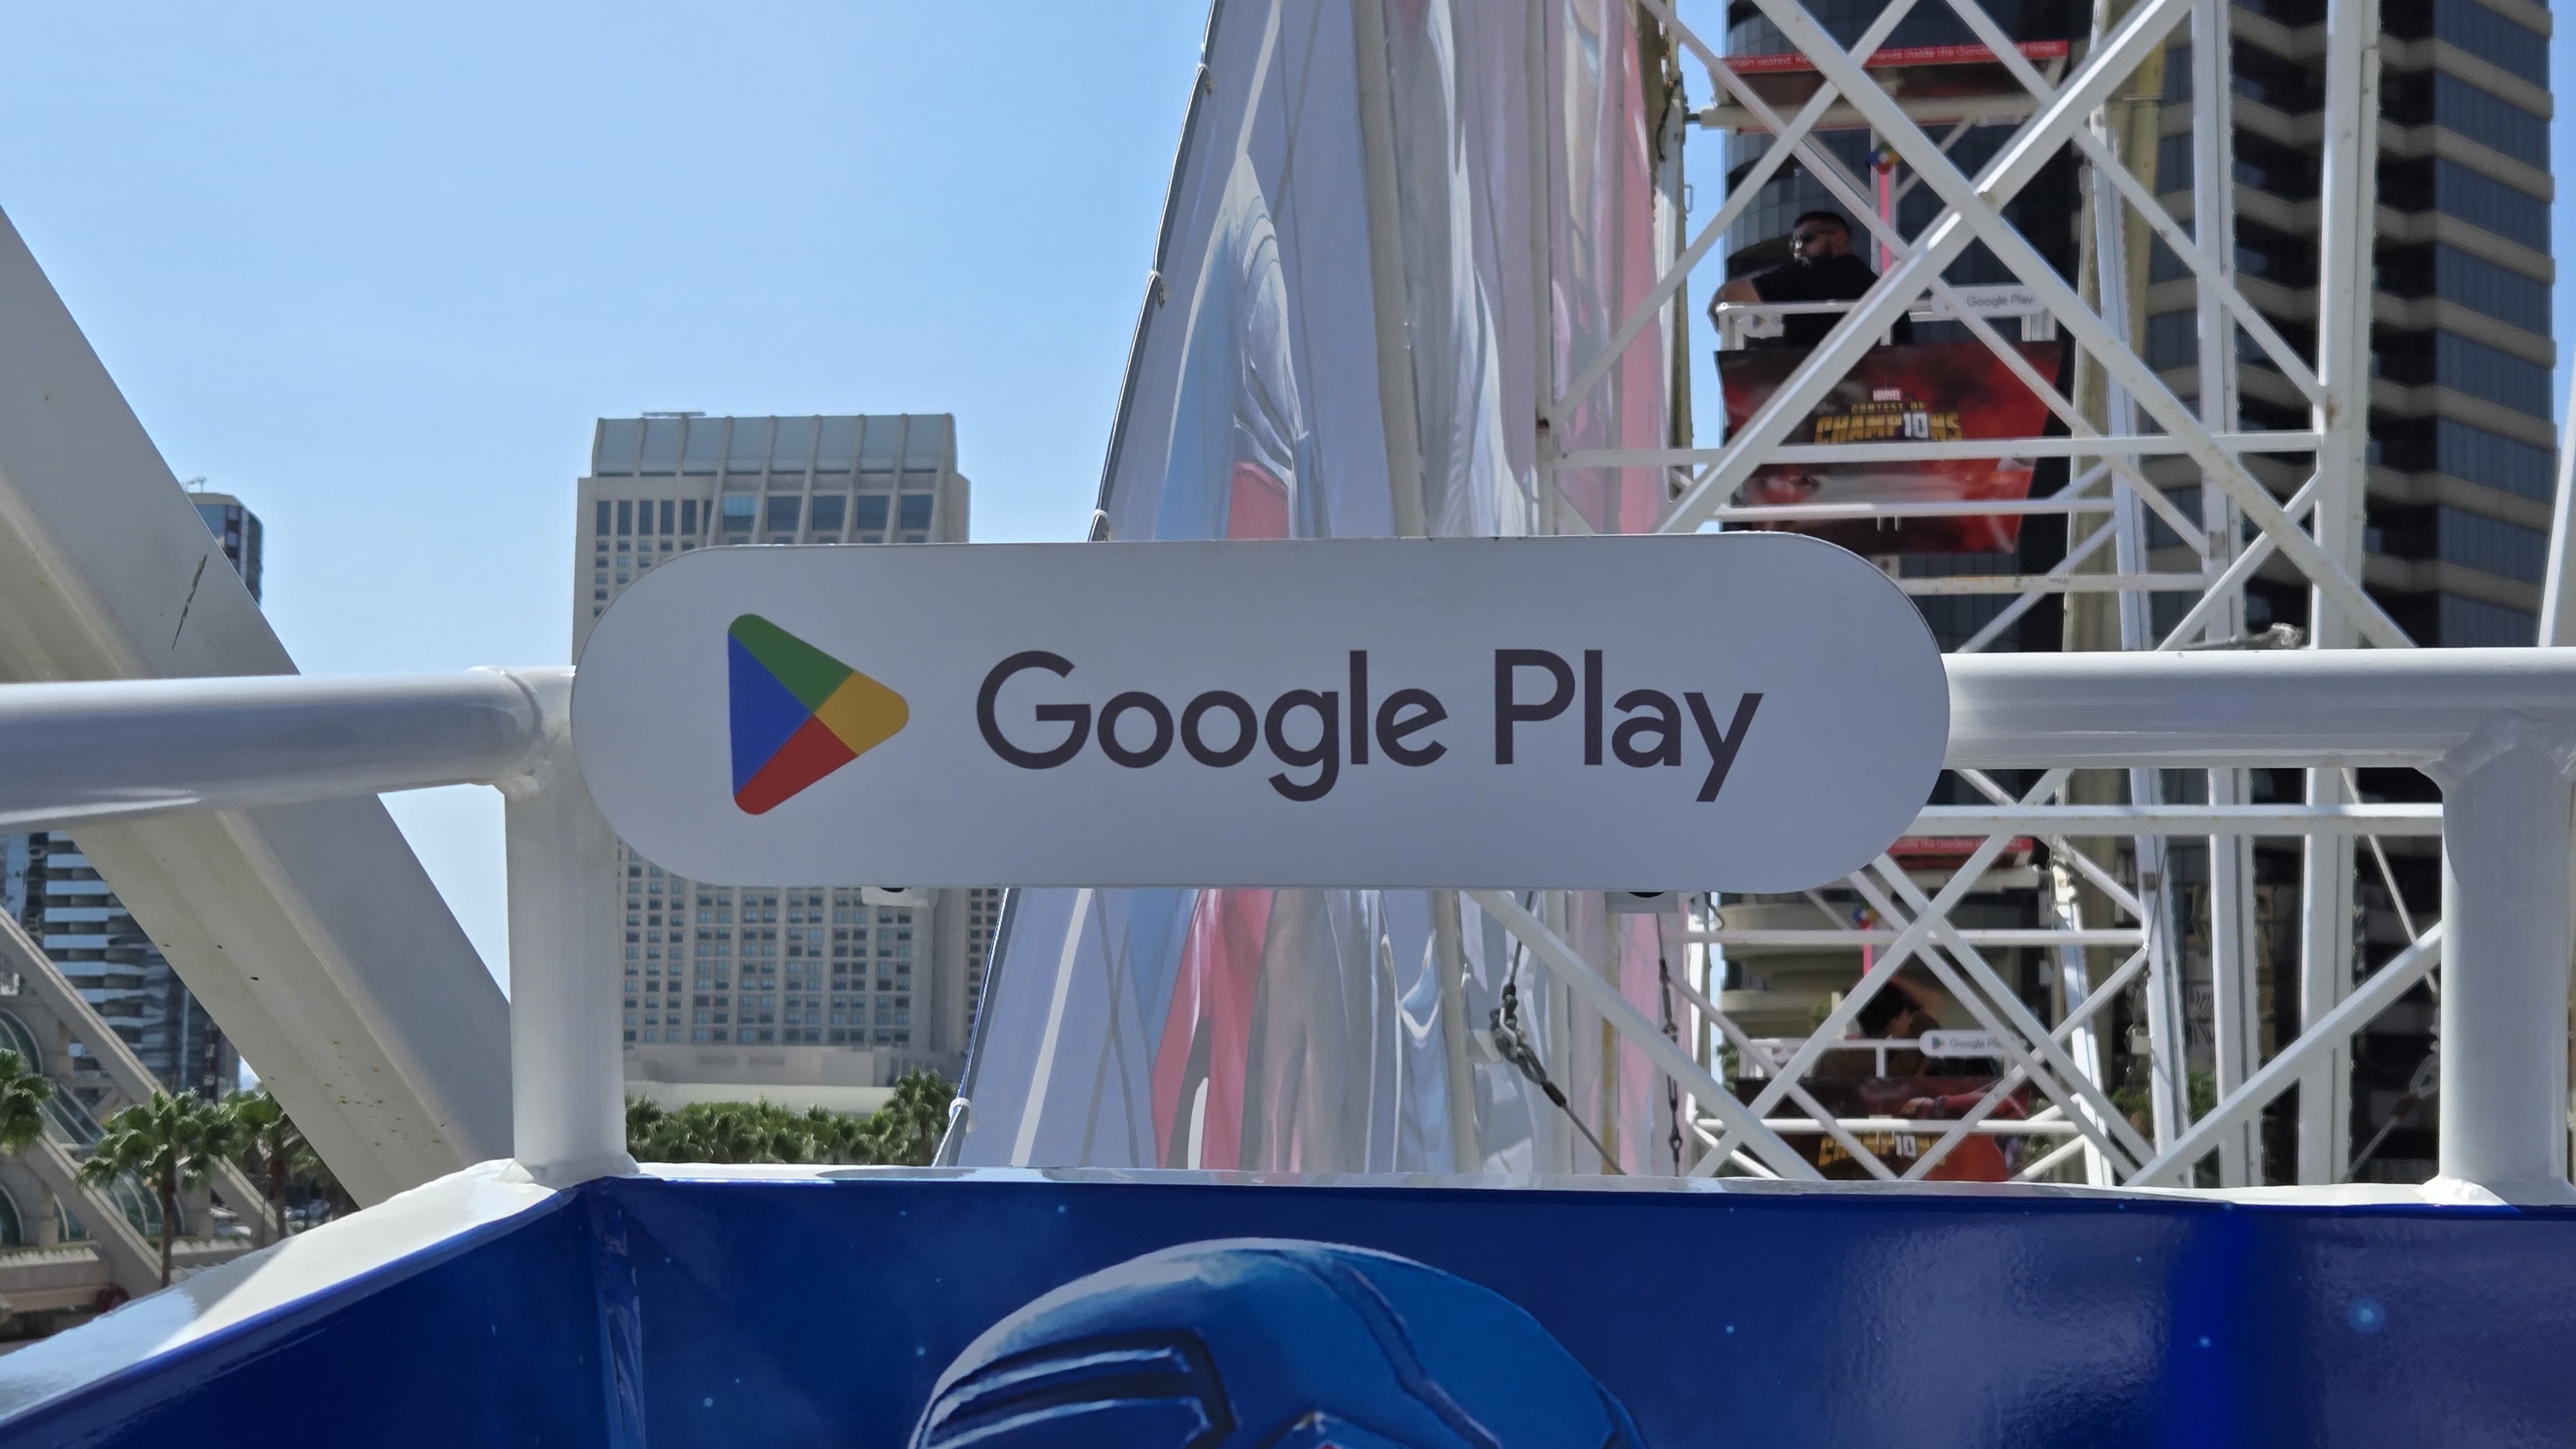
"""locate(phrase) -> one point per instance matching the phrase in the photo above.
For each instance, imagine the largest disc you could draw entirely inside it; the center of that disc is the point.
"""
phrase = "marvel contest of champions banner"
(1930, 392)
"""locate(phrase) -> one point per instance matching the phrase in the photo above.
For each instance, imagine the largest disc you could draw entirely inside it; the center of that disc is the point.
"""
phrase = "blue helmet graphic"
(1257, 1343)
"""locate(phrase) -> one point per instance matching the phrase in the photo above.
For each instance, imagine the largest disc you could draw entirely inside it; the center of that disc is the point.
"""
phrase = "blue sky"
(376, 270)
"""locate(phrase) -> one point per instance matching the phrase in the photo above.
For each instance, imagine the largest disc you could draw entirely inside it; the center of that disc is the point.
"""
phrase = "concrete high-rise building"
(60, 900)
(810, 992)
(50, 888)
(2462, 447)
(239, 529)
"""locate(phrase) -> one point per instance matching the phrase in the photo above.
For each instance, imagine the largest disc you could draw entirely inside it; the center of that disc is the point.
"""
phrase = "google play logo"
(798, 714)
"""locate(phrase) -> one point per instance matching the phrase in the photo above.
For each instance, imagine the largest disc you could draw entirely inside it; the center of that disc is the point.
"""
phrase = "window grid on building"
(794, 965)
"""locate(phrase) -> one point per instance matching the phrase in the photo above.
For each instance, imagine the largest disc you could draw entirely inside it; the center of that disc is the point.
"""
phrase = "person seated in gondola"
(1822, 267)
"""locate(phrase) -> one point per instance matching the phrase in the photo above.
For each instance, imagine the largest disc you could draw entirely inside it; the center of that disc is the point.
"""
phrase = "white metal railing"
(1770, 1053)
(2495, 727)
(1741, 322)
(84, 753)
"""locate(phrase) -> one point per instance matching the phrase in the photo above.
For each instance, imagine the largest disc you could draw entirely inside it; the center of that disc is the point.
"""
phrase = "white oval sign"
(1963, 1044)
(1742, 711)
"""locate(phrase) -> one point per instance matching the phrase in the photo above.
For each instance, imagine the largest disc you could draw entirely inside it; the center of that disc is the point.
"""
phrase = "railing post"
(568, 1108)
(2506, 858)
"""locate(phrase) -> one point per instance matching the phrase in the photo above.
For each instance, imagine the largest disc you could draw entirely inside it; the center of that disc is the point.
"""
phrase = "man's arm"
(1740, 289)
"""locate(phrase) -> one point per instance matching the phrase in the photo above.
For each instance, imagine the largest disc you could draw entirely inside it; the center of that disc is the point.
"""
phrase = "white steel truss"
(2240, 527)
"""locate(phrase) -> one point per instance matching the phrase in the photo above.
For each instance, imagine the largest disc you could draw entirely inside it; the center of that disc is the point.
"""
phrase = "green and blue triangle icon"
(798, 714)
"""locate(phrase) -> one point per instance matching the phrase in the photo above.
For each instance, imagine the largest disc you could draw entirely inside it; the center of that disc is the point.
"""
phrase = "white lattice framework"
(2241, 527)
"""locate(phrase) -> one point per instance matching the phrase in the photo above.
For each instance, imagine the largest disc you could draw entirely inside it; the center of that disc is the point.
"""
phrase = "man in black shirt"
(1821, 268)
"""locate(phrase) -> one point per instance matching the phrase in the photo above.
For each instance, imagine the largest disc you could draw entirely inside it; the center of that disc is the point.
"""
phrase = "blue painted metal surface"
(827, 1311)
(492, 1338)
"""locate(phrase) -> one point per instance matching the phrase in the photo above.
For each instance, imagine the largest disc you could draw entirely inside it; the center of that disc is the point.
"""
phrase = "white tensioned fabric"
(1303, 1029)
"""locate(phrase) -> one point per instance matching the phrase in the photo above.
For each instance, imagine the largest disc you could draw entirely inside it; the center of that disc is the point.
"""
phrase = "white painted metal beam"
(208, 745)
(309, 931)
(1973, 215)
(2125, 445)
(1930, 508)
(2347, 213)
(253, 741)
(1829, 937)
(2354, 1012)
(2053, 583)
(2558, 591)
(2400, 819)
(1926, 1126)
(2509, 936)
(2260, 708)
(568, 1115)
(1570, 969)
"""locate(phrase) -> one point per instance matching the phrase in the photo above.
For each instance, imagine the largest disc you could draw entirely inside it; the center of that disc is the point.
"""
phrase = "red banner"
(1932, 392)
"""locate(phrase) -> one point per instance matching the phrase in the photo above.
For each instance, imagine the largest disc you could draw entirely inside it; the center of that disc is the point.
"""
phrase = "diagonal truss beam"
(2014, 167)
(1911, 939)
(1829, 171)
(1973, 211)
(2012, 612)
(1972, 215)
(2333, 1029)
(2238, 570)
(1569, 967)
(1832, 1126)
(2204, 268)
(2013, 1013)
(1790, 142)
(2025, 1068)
(2102, 996)
(2061, 847)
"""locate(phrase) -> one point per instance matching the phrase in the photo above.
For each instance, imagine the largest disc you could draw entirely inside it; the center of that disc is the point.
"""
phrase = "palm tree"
(726, 1132)
(23, 1094)
(268, 1145)
(169, 1142)
(646, 1130)
(837, 1137)
(735, 1132)
(907, 1129)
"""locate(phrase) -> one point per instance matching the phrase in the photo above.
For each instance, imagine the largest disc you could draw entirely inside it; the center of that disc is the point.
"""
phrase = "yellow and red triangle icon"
(797, 713)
